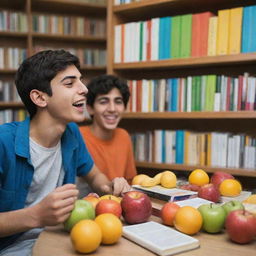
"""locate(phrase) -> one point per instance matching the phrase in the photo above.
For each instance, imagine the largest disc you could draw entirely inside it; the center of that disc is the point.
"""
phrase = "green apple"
(82, 210)
(232, 205)
(213, 217)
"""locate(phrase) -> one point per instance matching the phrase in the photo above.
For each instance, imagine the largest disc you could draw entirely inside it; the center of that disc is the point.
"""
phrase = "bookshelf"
(76, 25)
(230, 65)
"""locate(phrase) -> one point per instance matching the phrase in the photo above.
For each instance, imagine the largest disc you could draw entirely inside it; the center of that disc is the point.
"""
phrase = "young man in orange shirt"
(109, 146)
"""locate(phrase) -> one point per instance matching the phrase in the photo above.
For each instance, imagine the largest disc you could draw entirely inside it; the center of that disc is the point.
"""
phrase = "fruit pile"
(167, 179)
(239, 224)
(96, 220)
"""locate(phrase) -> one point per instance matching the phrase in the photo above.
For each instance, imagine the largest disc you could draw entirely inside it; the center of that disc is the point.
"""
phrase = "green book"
(210, 92)
(194, 89)
(141, 41)
(198, 93)
(186, 35)
(175, 36)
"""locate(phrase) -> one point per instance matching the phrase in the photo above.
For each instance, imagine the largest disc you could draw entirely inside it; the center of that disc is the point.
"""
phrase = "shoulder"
(8, 129)
(84, 129)
(122, 132)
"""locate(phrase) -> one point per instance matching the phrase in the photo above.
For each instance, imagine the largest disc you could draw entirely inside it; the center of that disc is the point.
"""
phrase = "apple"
(168, 212)
(213, 217)
(111, 197)
(241, 226)
(108, 206)
(191, 187)
(136, 207)
(92, 199)
(232, 206)
(82, 210)
(219, 176)
(209, 192)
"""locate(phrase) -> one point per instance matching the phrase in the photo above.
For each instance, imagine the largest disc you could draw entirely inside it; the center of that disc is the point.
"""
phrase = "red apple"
(191, 187)
(219, 176)
(136, 207)
(108, 206)
(209, 192)
(168, 212)
(241, 226)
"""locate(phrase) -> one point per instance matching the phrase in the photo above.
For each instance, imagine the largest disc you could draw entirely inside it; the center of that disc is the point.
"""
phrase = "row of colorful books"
(68, 25)
(191, 35)
(8, 91)
(186, 147)
(13, 21)
(10, 58)
(9, 115)
(90, 57)
(193, 93)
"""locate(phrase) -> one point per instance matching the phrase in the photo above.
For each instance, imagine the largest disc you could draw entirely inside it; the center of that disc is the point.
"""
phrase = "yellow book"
(223, 32)
(186, 151)
(235, 30)
(212, 36)
(202, 149)
(209, 149)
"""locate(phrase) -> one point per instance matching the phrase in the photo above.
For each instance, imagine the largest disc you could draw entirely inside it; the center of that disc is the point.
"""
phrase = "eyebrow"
(70, 77)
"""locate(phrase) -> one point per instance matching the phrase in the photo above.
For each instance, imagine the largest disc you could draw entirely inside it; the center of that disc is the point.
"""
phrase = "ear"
(38, 98)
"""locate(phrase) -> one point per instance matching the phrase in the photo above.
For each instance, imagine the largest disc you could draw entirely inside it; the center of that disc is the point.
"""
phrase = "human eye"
(119, 101)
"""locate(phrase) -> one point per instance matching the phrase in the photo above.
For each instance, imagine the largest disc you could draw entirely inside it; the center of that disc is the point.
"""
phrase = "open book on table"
(166, 194)
(160, 239)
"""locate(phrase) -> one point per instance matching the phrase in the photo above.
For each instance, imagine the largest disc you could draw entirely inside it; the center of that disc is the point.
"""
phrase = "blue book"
(155, 104)
(179, 147)
(167, 40)
(253, 31)
(175, 94)
(161, 38)
(163, 146)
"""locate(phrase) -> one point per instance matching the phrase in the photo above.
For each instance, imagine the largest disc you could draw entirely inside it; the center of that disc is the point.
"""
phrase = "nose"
(82, 88)
(111, 106)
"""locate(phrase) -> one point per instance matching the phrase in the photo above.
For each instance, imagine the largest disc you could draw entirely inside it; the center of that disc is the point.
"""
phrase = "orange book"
(235, 30)
(148, 44)
(139, 95)
(223, 32)
(200, 28)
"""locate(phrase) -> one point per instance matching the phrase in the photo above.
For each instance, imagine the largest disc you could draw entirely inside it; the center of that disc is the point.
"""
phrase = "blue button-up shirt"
(16, 170)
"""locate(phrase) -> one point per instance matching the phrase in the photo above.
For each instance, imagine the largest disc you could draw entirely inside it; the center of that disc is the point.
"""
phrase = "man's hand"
(55, 207)
(117, 187)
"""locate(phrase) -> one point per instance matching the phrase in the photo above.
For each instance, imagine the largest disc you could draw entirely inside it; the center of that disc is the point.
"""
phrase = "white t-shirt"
(48, 174)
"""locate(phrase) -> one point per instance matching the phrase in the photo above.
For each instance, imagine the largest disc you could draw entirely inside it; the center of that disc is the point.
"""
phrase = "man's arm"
(102, 185)
(52, 210)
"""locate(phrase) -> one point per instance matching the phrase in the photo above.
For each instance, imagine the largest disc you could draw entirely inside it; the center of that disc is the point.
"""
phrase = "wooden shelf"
(68, 38)
(150, 8)
(69, 6)
(195, 62)
(191, 115)
(8, 71)
(11, 104)
(182, 167)
(13, 34)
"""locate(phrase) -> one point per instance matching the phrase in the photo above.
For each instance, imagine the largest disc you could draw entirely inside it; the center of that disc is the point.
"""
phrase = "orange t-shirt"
(113, 157)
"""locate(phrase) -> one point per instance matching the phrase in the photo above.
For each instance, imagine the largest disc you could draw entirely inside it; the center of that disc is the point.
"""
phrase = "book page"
(158, 238)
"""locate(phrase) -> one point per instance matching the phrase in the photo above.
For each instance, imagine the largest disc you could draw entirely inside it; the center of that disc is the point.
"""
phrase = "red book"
(200, 27)
(148, 40)
(139, 95)
(240, 90)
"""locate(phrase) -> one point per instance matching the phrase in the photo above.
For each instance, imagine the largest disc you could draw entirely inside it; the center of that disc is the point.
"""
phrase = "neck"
(101, 133)
(46, 132)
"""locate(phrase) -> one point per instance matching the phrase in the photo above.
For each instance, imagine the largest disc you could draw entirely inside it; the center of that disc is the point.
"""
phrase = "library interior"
(187, 128)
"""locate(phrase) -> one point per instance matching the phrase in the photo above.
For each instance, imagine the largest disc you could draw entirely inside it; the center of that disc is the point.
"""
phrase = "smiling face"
(67, 103)
(107, 111)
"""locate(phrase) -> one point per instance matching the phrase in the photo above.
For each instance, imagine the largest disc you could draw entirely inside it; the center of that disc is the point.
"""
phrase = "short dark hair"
(37, 72)
(103, 84)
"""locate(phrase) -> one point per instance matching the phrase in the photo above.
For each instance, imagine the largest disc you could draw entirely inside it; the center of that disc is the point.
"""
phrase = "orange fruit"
(188, 220)
(230, 187)
(111, 227)
(198, 177)
(92, 199)
(138, 179)
(168, 179)
(86, 236)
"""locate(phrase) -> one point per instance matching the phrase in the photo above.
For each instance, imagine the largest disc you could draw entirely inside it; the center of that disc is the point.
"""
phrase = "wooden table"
(55, 241)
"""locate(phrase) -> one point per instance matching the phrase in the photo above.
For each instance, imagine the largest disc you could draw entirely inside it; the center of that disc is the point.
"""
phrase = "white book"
(154, 38)
(117, 48)
(189, 93)
(159, 239)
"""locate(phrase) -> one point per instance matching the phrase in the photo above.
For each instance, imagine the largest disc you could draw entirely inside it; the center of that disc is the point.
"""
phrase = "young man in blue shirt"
(41, 156)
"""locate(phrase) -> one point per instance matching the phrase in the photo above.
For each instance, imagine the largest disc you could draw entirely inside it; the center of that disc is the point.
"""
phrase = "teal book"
(186, 35)
(175, 36)
(141, 41)
(179, 147)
